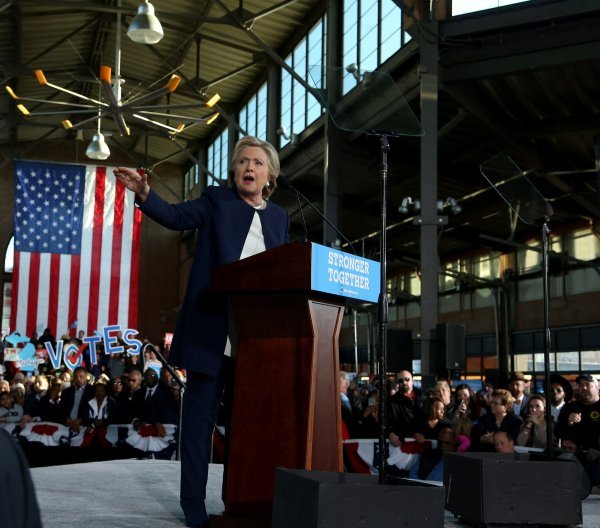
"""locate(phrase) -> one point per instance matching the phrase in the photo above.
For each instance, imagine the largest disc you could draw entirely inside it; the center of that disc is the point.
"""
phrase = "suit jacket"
(222, 220)
(67, 399)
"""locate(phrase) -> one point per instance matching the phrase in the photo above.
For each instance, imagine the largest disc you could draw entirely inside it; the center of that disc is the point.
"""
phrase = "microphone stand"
(179, 382)
(287, 184)
(547, 384)
(382, 310)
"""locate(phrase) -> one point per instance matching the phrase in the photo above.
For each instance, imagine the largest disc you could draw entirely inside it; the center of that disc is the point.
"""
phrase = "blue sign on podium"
(344, 274)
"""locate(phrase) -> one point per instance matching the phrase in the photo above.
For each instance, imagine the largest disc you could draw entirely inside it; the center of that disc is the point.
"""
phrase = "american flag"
(77, 238)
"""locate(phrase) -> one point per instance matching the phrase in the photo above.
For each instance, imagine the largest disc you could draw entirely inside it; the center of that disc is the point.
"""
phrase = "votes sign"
(72, 354)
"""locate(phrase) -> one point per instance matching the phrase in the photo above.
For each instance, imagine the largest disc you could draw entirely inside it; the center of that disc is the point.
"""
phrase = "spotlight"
(145, 28)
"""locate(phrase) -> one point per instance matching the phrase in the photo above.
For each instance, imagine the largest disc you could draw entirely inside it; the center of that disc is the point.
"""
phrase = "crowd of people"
(455, 418)
(78, 407)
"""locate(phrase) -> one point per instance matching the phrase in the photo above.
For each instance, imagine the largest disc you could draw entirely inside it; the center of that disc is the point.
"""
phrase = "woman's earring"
(268, 184)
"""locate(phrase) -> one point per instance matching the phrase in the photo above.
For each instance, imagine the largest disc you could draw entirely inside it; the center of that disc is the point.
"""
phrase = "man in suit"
(517, 384)
(231, 224)
(74, 400)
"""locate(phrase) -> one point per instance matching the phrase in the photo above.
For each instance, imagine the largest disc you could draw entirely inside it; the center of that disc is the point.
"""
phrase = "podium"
(286, 408)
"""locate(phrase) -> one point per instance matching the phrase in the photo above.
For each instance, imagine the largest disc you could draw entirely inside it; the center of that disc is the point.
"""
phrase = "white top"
(254, 244)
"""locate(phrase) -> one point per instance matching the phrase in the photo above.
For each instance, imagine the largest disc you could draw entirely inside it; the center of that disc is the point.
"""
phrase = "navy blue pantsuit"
(222, 220)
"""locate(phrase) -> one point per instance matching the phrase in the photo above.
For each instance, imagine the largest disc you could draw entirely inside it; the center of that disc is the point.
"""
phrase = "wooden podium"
(286, 408)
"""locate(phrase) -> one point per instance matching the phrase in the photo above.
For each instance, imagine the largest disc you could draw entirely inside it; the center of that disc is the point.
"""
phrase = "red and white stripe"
(99, 287)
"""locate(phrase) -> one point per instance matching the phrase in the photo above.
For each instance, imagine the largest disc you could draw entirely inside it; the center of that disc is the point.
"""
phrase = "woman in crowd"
(499, 419)
(533, 432)
(429, 427)
(101, 412)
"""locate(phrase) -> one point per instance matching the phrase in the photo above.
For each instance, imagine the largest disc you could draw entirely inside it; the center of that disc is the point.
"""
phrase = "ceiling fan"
(137, 108)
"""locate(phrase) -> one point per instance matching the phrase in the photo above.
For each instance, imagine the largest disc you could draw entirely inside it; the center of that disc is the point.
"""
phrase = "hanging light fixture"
(98, 149)
(145, 28)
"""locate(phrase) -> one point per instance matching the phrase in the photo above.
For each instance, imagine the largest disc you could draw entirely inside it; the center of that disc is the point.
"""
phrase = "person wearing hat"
(517, 385)
(580, 419)
(561, 393)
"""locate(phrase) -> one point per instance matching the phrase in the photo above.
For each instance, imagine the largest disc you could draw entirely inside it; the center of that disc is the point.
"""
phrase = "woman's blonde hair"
(272, 161)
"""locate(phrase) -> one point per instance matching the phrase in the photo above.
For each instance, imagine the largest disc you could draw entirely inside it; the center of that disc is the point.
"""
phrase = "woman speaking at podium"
(232, 224)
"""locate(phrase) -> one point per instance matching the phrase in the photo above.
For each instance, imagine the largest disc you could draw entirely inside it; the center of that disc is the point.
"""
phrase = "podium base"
(311, 499)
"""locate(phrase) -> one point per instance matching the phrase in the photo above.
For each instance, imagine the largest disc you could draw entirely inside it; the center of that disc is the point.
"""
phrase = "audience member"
(534, 431)
(101, 412)
(462, 428)
(131, 401)
(367, 421)
(34, 408)
(443, 391)
(517, 384)
(561, 393)
(10, 412)
(499, 419)
(430, 464)
(429, 425)
(503, 442)
(405, 408)
(464, 405)
(580, 419)
(74, 400)
(346, 405)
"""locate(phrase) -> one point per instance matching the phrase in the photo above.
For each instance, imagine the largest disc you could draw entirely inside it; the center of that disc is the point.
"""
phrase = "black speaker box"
(399, 349)
(450, 350)
(311, 499)
(493, 488)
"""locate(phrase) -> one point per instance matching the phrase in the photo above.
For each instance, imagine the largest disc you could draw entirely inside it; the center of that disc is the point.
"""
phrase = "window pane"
(460, 7)
(568, 361)
(590, 360)
(539, 362)
(298, 107)
(523, 362)
(217, 159)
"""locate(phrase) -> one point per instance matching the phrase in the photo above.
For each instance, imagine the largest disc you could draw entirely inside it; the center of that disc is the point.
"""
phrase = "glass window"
(217, 160)
(586, 245)
(460, 7)
(568, 361)
(298, 107)
(253, 116)
(523, 362)
(529, 260)
(373, 32)
(539, 362)
(590, 360)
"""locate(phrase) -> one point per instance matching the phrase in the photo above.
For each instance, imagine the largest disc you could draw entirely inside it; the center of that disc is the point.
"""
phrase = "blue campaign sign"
(340, 273)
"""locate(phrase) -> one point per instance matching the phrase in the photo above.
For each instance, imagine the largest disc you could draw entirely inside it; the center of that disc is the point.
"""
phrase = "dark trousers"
(201, 401)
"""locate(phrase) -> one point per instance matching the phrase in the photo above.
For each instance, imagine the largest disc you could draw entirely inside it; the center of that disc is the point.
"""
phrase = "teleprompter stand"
(370, 102)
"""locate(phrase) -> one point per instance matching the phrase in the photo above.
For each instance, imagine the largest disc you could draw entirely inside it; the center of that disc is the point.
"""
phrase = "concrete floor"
(145, 493)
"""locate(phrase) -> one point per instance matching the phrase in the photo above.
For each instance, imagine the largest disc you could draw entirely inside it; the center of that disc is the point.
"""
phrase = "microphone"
(164, 363)
(284, 183)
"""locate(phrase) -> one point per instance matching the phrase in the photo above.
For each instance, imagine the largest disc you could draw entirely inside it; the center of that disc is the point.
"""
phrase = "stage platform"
(145, 494)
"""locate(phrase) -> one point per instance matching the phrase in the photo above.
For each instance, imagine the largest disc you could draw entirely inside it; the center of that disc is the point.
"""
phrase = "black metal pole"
(179, 382)
(549, 436)
(383, 314)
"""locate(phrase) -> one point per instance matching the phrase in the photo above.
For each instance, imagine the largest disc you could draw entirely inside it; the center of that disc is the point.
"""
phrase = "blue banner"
(344, 274)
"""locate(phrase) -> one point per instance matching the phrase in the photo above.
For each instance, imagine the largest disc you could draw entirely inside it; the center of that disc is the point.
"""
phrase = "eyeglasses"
(117, 383)
(404, 379)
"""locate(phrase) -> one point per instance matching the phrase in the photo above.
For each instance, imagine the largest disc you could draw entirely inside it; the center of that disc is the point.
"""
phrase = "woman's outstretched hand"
(134, 181)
